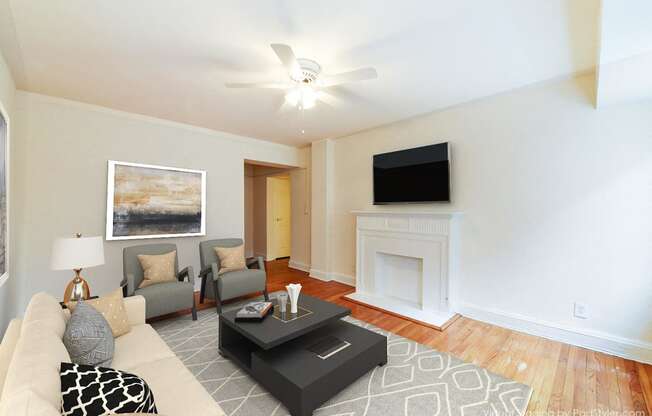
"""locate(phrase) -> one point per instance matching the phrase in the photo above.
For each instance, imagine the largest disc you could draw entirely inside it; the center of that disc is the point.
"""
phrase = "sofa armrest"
(128, 285)
(135, 306)
(205, 271)
(257, 262)
(7, 348)
(261, 263)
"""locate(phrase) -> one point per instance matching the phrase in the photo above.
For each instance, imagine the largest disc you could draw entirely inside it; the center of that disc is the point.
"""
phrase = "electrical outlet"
(581, 310)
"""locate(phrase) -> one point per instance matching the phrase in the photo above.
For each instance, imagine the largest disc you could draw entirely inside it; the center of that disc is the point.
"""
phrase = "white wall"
(61, 168)
(625, 58)
(557, 202)
(7, 93)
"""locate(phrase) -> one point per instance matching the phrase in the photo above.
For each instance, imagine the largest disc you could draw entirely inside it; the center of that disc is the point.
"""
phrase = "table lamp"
(75, 254)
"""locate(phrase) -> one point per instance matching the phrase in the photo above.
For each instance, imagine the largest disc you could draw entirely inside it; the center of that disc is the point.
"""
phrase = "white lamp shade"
(77, 253)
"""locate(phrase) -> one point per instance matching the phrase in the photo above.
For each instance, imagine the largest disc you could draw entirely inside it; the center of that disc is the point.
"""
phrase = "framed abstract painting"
(148, 201)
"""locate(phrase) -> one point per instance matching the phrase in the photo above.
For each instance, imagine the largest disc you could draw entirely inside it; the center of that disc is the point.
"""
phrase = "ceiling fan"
(305, 78)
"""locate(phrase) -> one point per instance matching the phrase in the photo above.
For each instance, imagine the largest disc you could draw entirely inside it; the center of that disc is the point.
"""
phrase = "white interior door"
(279, 216)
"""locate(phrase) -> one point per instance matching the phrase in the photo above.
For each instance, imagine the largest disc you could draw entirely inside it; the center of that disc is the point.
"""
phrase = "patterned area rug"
(416, 381)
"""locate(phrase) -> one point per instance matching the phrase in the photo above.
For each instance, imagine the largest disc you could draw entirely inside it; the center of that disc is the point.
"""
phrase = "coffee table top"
(272, 332)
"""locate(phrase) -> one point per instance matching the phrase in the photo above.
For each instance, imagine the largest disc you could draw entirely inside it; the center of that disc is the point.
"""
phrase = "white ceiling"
(170, 59)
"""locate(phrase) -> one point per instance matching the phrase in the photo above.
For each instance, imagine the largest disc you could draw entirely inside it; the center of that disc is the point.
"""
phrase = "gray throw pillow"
(88, 337)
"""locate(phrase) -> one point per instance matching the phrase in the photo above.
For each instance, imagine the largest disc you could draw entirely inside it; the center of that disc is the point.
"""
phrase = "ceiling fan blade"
(273, 85)
(328, 99)
(351, 76)
(284, 108)
(286, 56)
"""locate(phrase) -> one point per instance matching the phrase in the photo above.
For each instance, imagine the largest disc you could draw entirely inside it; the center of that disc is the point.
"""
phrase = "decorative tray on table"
(287, 316)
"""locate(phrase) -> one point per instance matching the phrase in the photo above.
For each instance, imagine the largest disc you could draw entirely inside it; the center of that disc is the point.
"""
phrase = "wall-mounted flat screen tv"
(418, 175)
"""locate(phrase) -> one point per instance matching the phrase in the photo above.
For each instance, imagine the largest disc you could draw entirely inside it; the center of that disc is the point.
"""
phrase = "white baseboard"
(343, 278)
(594, 340)
(327, 277)
(319, 274)
(299, 265)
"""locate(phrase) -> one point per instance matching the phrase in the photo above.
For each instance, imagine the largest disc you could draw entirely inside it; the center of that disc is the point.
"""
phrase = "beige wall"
(61, 168)
(556, 199)
(300, 182)
(7, 93)
(249, 210)
(321, 206)
(260, 215)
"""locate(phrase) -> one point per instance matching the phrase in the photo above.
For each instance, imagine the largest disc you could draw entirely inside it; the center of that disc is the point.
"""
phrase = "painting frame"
(110, 198)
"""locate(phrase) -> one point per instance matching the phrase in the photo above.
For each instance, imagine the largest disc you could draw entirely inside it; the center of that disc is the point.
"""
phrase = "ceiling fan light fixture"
(303, 97)
(308, 97)
(306, 82)
(293, 96)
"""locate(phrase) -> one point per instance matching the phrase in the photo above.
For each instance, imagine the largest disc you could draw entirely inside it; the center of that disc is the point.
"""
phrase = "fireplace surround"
(404, 262)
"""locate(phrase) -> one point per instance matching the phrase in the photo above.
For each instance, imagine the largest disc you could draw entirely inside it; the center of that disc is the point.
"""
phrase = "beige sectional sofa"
(32, 350)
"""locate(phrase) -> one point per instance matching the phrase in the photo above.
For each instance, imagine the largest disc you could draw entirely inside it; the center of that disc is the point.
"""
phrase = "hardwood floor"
(565, 378)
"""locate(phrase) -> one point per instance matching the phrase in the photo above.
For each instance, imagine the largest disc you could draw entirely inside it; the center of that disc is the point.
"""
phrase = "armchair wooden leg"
(218, 301)
(194, 310)
(266, 295)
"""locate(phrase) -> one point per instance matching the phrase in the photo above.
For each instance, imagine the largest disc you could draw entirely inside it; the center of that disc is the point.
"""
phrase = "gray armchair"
(161, 298)
(231, 284)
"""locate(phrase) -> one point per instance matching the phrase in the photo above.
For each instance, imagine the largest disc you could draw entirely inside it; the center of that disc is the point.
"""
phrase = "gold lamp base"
(77, 289)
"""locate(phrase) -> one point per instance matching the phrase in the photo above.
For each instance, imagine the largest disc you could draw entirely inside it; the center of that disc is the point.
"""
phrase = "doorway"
(268, 215)
(279, 216)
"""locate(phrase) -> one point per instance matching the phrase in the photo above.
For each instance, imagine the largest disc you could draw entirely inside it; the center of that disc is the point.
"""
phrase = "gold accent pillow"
(231, 258)
(112, 308)
(157, 268)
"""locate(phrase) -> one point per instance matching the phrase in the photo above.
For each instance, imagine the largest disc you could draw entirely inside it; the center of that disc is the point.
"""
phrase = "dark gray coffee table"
(276, 353)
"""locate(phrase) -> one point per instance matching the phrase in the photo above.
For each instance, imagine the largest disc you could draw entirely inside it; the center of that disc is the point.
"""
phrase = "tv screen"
(412, 176)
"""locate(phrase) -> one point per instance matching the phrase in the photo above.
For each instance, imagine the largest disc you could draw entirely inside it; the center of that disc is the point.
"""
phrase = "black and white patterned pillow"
(96, 391)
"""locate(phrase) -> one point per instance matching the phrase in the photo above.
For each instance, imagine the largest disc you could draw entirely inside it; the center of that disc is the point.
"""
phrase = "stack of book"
(254, 311)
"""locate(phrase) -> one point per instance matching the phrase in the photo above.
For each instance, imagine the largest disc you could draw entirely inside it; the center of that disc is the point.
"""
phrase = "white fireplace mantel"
(403, 263)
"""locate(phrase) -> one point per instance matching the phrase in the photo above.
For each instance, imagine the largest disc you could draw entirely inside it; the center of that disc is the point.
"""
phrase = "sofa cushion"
(231, 258)
(241, 282)
(26, 403)
(135, 308)
(112, 308)
(157, 268)
(164, 298)
(141, 345)
(170, 375)
(97, 391)
(88, 337)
